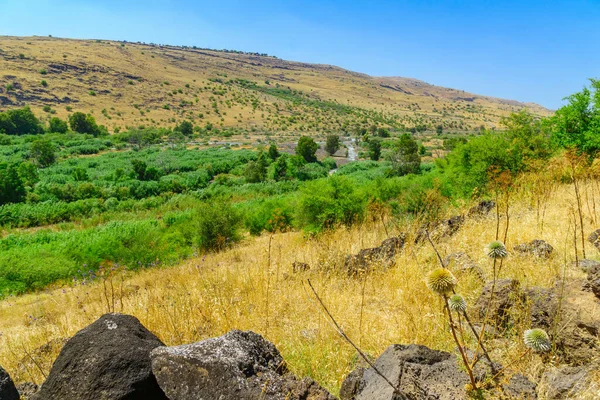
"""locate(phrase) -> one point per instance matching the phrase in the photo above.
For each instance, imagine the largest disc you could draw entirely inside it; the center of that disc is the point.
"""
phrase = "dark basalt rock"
(383, 255)
(109, 359)
(8, 391)
(238, 365)
(537, 247)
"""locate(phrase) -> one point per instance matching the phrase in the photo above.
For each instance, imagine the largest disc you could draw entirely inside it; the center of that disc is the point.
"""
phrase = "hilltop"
(131, 84)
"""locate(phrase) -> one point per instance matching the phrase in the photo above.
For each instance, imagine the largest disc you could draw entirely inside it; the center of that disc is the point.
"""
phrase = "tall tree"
(405, 156)
(332, 144)
(307, 148)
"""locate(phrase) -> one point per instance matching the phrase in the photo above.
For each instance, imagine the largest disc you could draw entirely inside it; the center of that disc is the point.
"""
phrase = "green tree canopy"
(83, 123)
(43, 153)
(405, 156)
(307, 149)
(332, 144)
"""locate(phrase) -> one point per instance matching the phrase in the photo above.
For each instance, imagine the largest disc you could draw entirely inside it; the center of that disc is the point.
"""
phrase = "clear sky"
(538, 51)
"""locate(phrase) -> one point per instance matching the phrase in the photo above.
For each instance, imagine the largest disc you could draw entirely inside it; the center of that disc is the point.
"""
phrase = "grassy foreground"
(252, 288)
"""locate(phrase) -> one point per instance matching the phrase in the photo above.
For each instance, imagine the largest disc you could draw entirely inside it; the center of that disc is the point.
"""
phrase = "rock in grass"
(594, 280)
(109, 359)
(8, 391)
(419, 373)
(537, 247)
(238, 365)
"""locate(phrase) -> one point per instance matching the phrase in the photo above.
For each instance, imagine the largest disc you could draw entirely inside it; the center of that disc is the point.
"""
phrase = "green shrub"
(218, 226)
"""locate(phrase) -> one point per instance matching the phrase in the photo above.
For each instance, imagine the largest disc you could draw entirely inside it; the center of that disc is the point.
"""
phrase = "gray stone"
(507, 293)
(585, 264)
(109, 359)
(27, 390)
(417, 371)
(462, 263)
(594, 238)
(238, 365)
(482, 209)
(519, 387)
(537, 247)
(565, 382)
(594, 280)
(383, 255)
(8, 391)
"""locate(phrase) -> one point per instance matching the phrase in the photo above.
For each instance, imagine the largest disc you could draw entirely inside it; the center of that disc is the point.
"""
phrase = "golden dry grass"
(240, 289)
(133, 82)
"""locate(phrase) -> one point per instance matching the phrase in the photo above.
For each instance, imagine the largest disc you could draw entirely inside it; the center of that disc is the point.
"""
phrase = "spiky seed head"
(537, 340)
(496, 249)
(441, 281)
(457, 303)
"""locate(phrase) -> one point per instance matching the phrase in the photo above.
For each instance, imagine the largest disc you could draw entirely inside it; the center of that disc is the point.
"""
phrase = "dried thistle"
(496, 249)
(537, 340)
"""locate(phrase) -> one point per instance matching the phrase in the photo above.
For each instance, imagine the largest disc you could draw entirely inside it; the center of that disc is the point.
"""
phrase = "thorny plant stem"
(341, 332)
(460, 347)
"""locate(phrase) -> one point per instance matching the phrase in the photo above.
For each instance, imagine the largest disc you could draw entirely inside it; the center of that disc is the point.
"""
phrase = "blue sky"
(538, 51)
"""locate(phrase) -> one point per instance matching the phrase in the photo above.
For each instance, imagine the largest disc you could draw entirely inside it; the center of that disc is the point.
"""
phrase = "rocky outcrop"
(440, 229)
(594, 280)
(585, 264)
(594, 238)
(238, 365)
(565, 382)
(383, 255)
(8, 391)
(418, 372)
(298, 267)
(482, 209)
(506, 294)
(109, 359)
(27, 390)
(538, 248)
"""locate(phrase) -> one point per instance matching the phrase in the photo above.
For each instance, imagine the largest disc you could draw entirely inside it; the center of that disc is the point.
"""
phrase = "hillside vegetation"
(132, 84)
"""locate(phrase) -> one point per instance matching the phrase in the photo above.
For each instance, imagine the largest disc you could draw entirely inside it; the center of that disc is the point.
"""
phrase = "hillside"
(132, 84)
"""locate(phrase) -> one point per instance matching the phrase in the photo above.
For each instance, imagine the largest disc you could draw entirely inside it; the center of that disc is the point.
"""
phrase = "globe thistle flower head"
(496, 249)
(457, 303)
(441, 281)
(537, 340)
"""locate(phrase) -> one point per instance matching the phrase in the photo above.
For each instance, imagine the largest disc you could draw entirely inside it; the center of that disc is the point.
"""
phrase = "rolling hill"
(131, 84)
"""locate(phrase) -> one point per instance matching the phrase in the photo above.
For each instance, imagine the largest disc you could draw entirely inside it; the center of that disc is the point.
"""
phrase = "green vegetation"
(149, 196)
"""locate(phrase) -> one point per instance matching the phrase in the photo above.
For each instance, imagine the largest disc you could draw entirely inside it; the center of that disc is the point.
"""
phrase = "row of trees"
(22, 121)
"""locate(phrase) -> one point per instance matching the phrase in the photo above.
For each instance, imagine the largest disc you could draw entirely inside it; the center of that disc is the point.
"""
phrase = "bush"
(57, 125)
(83, 123)
(218, 226)
(306, 148)
(330, 202)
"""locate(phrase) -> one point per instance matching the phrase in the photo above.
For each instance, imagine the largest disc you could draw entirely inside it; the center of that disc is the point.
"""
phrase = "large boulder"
(537, 247)
(417, 371)
(109, 359)
(238, 365)
(8, 391)
(440, 229)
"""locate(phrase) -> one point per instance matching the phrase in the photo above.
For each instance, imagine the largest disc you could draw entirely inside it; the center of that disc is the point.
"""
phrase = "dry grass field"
(132, 84)
(252, 287)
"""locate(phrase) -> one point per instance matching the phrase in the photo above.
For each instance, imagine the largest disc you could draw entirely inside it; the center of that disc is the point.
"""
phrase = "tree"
(439, 129)
(382, 132)
(256, 171)
(307, 148)
(332, 144)
(20, 122)
(83, 123)
(374, 149)
(405, 156)
(43, 153)
(57, 125)
(12, 187)
(577, 124)
(273, 152)
(279, 169)
(186, 128)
